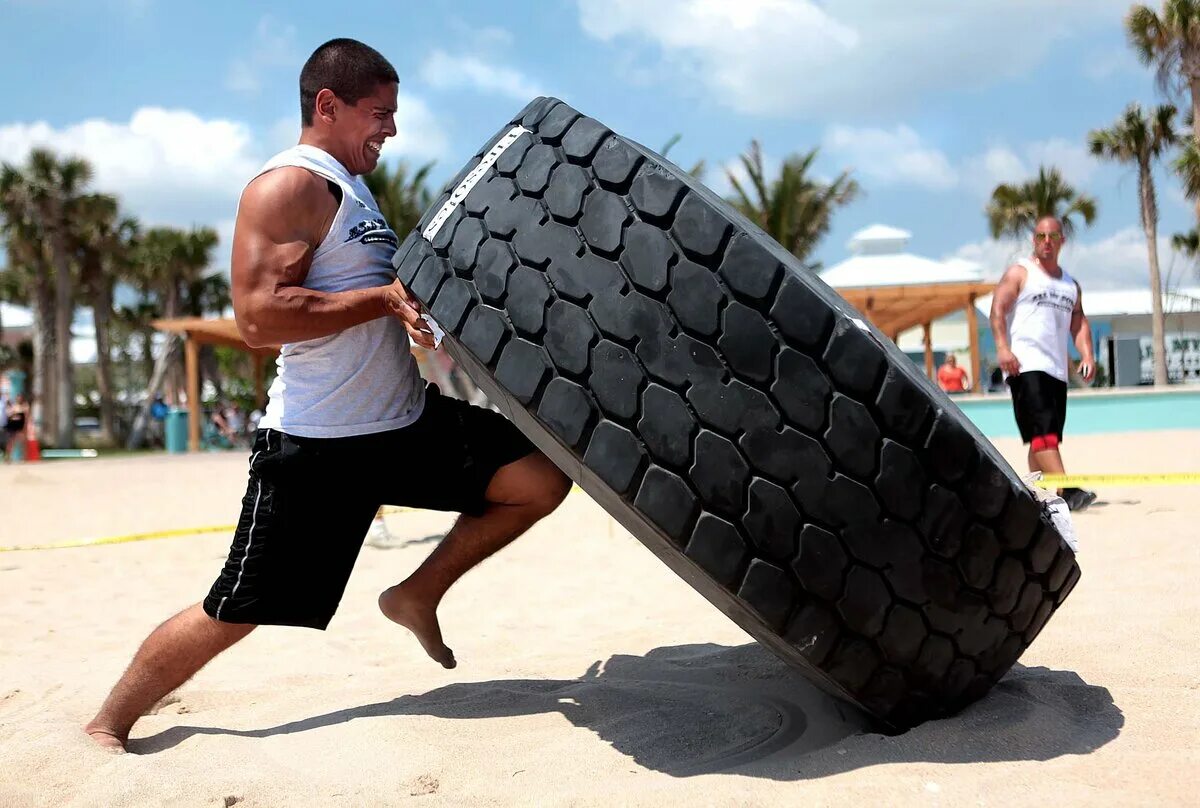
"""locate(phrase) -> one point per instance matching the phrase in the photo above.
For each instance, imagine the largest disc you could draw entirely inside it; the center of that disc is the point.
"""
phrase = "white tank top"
(363, 379)
(1039, 325)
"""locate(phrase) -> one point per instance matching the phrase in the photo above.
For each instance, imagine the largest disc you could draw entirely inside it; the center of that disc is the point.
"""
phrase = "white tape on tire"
(469, 181)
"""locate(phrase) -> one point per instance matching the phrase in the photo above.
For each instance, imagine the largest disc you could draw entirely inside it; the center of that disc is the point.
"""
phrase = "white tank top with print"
(1039, 325)
(363, 379)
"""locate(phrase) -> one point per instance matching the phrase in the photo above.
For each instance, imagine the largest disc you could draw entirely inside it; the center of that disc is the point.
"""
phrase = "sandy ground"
(589, 674)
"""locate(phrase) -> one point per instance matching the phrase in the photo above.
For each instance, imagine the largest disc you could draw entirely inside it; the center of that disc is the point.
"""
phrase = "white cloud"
(994, 256)
(283, 134)
(1117, 261)
(1073, 159)
(796, 58)
(981, 173)
(168, 167)
(419, 135)
(173, 167)
(444, 71)
(274, 45)
(891, 157)
(160, 161)
(746, 53)
(899, 156)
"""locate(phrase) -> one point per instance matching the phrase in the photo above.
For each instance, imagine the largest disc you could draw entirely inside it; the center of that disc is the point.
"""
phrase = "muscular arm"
(282, 218)
(1081, 333)
(1003, 299)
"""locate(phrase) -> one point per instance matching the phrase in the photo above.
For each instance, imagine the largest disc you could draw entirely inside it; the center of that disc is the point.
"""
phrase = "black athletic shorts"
(310, 501)
(1040, 404)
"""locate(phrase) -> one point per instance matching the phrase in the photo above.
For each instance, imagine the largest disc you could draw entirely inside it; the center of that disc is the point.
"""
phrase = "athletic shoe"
(1080, 499)
(379, 536)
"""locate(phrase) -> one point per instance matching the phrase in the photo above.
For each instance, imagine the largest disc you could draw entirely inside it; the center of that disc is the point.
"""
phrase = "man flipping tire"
(1037, 307)
(350, 425)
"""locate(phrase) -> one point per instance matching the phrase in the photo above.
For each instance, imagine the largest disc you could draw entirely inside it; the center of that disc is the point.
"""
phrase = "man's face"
(363, 127)
(952, 360)
(1047, 239)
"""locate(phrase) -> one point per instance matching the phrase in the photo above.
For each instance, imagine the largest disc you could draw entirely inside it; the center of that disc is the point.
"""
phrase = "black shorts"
(310, 501)
(1040, 404)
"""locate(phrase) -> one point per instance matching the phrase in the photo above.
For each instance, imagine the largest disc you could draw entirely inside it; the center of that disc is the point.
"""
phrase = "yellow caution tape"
(158, 534)
(165, 534)
(1117, 480)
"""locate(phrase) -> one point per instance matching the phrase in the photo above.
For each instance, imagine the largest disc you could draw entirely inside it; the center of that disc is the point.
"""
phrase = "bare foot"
(399, 607)
(106, 738)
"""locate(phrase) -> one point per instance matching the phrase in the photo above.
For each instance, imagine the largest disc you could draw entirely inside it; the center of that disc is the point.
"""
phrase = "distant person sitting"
(951, 377)
(158, 420)
(3, 419)
(16, 415)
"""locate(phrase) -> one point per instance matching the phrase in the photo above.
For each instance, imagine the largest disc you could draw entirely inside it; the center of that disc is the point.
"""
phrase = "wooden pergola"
(197, 331)
(896, 309)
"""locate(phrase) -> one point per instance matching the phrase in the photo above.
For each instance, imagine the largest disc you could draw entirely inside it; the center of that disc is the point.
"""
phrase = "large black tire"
(738, 417)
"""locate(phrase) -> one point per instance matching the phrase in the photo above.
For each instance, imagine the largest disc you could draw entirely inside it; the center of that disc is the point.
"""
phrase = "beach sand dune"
(588, 673)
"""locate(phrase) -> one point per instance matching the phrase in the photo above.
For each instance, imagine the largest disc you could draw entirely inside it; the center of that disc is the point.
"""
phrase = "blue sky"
(928, 103)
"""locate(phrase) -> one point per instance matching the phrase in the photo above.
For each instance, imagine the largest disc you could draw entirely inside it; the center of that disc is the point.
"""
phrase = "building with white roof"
(904, 294)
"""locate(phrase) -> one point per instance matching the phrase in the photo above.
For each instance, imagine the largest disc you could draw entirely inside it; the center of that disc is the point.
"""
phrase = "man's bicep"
(1006, 292)
(274, 239)
(266, 255)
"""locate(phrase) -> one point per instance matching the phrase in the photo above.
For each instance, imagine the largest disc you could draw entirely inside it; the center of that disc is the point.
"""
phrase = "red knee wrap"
(1043, 442)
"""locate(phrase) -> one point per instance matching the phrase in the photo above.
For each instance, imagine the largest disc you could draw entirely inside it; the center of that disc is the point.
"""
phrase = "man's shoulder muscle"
(291, 195)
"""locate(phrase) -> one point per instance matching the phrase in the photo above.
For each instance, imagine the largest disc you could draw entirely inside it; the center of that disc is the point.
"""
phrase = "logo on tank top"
(373, 231)
(1053, 300)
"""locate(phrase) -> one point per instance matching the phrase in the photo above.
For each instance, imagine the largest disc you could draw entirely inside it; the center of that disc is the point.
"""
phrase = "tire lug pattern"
(743, 421)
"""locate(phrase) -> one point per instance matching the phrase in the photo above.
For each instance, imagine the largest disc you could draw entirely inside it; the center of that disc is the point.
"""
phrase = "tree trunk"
(101, 315)
(138, 433)
(1150, 225)
(64, 311)
(45, 414)
(175, 378)
(147, 365)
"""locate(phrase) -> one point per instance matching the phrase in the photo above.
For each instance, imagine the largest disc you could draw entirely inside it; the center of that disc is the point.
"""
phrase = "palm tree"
(1188, 245)
(54, 187)
(794, 209)
(698, 168)
(103, 240)
(27, 257)
(166, 262)
(402, 199)
(1015, 209)
(1171, 42)
(1187, 168)
(1139, 138)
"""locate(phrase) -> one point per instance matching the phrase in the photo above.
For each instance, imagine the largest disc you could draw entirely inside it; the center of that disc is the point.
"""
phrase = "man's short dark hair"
(349, 68)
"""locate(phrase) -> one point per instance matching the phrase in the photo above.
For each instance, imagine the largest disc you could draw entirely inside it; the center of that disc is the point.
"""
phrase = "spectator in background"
(1037, 312)
(235, 423)
(252, 422)
(3, 415)
(158, 420)
(951, 377)
(15, 426)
